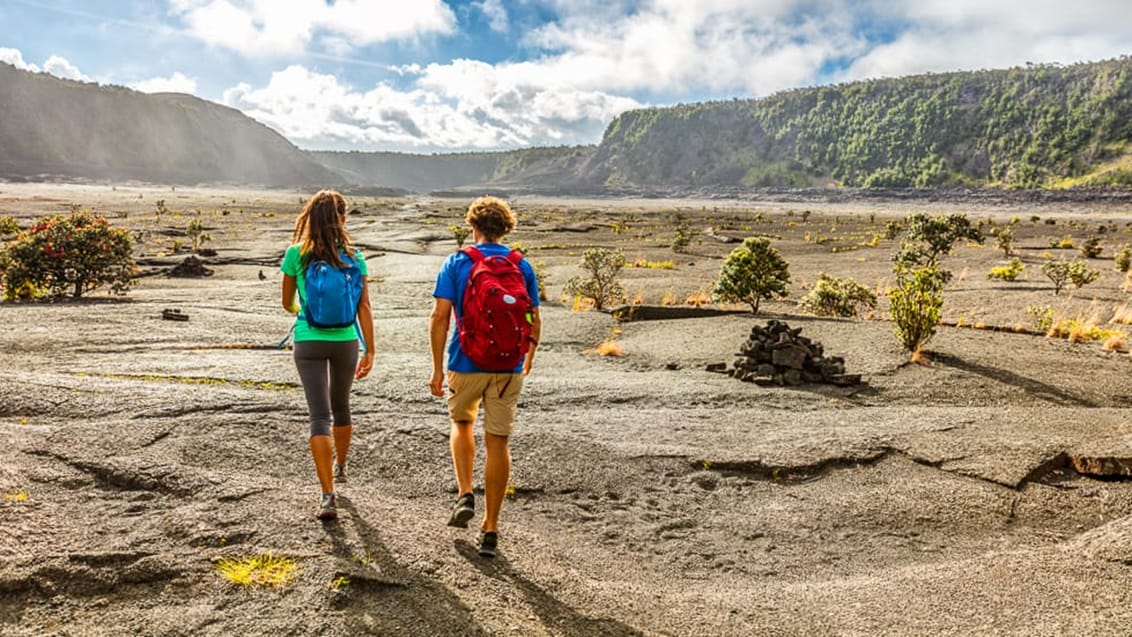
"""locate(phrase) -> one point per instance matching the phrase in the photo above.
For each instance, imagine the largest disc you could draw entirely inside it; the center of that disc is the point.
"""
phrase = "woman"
(327, 358)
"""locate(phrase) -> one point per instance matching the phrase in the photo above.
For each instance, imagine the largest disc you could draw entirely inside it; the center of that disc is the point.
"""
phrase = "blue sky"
(436, 76)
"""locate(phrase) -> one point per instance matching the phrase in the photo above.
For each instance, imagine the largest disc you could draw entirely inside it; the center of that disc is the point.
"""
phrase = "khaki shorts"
(499, 394)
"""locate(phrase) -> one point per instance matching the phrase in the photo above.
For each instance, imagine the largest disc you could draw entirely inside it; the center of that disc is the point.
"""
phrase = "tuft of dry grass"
(609, 347)
(669, 298)
(1116, 343)
(258, 570)
(1122, 315)
(699, 298)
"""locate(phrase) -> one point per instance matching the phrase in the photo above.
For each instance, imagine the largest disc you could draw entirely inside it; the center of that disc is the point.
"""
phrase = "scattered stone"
(718, 368)
(672, 365)
(174, 315)
(779, 355)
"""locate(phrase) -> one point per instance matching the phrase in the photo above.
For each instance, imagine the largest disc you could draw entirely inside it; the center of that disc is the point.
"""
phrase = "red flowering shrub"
(67, 256)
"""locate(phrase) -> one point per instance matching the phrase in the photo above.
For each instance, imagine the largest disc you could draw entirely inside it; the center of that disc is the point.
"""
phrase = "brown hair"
(491, 216)
(321, 228)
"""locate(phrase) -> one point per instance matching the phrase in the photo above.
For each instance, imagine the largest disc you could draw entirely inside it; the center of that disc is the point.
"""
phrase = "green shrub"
(1061, 272)
(1004, 240)
(1122, 260)
(1008, 272)
(8, 225)
(1042, 316)
(68, 255)
(601, 285)
(752, 272)
(460, 233)
(930, 238)
(1091, 248)
(915, 305)
(196, 234)
(837, 297)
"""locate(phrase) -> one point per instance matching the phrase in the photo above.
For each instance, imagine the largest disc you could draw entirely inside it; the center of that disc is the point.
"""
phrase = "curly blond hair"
(491, 216)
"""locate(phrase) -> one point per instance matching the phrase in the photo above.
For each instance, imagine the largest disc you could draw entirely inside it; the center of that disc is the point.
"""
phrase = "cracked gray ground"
(983, 494)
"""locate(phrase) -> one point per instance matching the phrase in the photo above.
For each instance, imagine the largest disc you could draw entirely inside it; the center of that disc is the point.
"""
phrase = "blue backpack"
(332, 294)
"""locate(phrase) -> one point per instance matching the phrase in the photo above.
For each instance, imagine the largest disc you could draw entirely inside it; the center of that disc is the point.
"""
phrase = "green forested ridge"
(1039, 126)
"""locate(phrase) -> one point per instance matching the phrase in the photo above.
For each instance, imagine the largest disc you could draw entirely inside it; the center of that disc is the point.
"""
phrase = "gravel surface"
(984, 492)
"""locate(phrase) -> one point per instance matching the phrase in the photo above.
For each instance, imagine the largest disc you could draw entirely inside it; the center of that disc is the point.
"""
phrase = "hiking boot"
(462, 511)
(340, 473)
(328, 509)
(489, 540)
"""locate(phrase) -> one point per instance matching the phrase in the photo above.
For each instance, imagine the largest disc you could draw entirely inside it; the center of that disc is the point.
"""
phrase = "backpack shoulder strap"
(473, 253)
(515, 257)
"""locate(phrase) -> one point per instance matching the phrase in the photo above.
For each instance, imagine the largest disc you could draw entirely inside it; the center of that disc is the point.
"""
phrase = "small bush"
(1091, 248)
(1004, 240)
(1042, 317)
(67, 256)
(1122, 260)
(601, 285)
(915, 305)
(752, 272)
(837, 297)
(460, 234)
(1008, 272)
(196, 233)
(1076, 272)
(8, 226)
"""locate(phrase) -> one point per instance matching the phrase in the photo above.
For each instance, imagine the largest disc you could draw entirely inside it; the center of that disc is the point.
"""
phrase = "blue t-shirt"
(450, 285)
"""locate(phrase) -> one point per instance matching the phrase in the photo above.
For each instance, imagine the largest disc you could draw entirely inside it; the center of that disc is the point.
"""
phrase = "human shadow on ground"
(559, 618)
(1033, 387)
(382, 596)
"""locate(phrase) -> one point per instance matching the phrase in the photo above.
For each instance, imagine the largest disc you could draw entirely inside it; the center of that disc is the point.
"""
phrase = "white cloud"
(176, 83)
(16, 59)
(465, 105)
(60, 67)
(268, 27)
(496, 15)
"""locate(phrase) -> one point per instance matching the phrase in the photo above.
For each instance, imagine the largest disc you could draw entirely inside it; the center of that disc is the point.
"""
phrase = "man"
(469, 385)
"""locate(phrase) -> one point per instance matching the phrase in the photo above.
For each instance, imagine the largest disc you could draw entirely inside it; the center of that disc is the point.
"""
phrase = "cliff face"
(1034, 127)
(64, 129)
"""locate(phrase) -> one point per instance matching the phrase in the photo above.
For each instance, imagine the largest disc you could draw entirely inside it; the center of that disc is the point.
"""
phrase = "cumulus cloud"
(176, 83)
(496, 15)
(16, 59)
(466, 105)
(266, 27)
(55, 65)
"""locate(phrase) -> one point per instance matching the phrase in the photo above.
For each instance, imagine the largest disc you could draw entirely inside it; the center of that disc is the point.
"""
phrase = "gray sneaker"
(489, 541)
(462, 511)
(328, 508)
(340, 473)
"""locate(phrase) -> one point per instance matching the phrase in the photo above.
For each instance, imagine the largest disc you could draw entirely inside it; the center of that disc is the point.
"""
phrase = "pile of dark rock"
(191, 267)
(779, 355)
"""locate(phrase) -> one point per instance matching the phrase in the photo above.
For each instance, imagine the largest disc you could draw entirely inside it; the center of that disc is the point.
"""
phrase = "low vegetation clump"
(915, 306)
(1081, 331)
(1075, 272)
(195, 232)
(1091, 248)
(1042, 317)
(1008, 272)
(8, 226)
(831, 296)
(1004, 240)
(600, 282)
(653, 265)
(1122, 260)
(67, 256)
(460, 234)
(264, 570)
(752, 272)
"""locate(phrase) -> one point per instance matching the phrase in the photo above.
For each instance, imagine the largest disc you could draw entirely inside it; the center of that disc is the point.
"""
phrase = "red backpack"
(494, 327)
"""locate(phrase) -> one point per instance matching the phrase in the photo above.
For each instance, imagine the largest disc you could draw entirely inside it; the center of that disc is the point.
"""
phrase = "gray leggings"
(327, 371)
